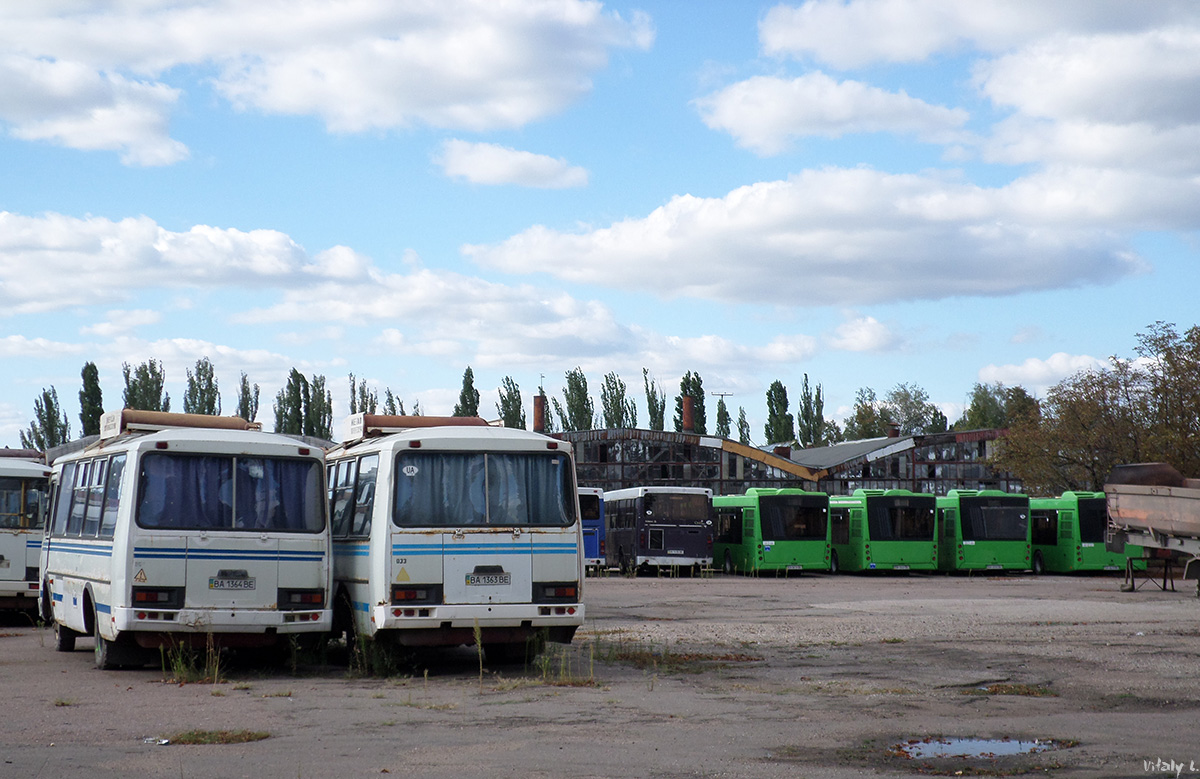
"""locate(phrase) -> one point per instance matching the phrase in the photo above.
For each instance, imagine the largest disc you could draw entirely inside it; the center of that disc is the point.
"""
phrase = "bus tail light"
(158, 597)
(409, 594)
(291, 599)
(556, 592)
(602, 547)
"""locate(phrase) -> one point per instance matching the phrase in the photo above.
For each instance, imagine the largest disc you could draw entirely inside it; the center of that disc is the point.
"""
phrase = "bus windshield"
(678, 509)
(21, 503)
(222, 492)
(900, 519)
(792, 517)
(995, 519)
(451, 489)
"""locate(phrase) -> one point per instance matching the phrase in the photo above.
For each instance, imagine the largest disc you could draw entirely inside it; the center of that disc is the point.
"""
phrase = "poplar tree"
(362, 398)
(723, 419)
(743, 427)
(810, 422)
(656, 402)
(304, 408)
(691, 385)
(620, 412)
(780, 425)
(247, 405)
(144, 387)
(511, 412)
(91, 400)
(576, 412)
(50, 427)
(468, 398)
(202, 396)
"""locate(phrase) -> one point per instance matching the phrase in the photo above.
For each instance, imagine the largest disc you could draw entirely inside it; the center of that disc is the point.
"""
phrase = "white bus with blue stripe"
(180, 529)
(24, 480)
(444, 526)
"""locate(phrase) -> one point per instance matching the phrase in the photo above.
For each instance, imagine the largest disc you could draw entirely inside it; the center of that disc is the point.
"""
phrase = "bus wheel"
(64, 638)
(728, 563)
(833, 562)
(1039, 565)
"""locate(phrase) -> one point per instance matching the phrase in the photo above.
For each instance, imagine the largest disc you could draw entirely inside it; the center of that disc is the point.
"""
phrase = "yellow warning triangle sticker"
(403, 576)
(141, 576)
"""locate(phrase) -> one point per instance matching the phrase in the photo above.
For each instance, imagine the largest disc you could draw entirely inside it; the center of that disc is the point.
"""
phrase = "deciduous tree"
(468, 397)
(656, 402)
(780, 426)
(576, 412)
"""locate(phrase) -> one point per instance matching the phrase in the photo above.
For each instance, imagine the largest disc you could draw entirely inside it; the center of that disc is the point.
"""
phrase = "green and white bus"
(983, 530)
(1068, 534)
(878, 530)
(773, 530)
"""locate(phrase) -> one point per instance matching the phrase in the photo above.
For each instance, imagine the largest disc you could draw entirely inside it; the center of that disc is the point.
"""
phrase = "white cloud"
(863, 334)
(122, 323)
(20, 346)
(487, 163)
(858, 236)
(53, 262)
(855, 33)
(763, 113)
(72, 105)
(1038, 375)
(91, 76)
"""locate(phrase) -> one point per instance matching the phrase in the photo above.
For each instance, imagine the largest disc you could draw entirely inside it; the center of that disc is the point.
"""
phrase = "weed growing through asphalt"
(1030, 690)
(218, 736)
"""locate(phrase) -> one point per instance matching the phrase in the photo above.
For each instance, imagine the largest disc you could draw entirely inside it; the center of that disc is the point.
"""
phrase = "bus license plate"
(995, 567)
(674, 551)
(900, 567)
(231, 584)
(489, 579)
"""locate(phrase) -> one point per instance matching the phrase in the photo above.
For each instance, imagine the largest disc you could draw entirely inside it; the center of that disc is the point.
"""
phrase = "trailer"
(1152, 506)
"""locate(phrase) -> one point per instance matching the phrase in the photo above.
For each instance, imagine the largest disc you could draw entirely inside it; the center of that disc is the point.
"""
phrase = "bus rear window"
(679, 509)
(1093, 520)
(793, 517)
(188, 492)
(453, 489)
(900, 519)
(995, 519)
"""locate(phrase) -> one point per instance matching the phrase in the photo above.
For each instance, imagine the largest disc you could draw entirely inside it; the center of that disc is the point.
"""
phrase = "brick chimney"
(539, 413)
(689, 415)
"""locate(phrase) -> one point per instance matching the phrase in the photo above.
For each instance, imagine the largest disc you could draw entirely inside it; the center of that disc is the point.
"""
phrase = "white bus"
(446, 525)
(185, 528)
(24, 480)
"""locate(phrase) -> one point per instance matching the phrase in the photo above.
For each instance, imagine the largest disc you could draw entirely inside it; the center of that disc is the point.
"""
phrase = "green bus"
(777, 530)
(883, 530)
(983, 530)
(1068, 534)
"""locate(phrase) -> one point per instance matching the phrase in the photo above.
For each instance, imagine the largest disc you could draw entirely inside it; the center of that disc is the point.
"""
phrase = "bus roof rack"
(364, 425)
(114, 423)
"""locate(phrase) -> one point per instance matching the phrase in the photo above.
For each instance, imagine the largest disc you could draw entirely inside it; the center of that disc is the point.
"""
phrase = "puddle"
(973, 747)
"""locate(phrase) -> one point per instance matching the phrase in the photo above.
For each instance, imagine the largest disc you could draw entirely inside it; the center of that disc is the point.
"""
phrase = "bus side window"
(79, 498)
(112, 496)
(342, 507)
(95, 498)
(62, 502)
(364, 495)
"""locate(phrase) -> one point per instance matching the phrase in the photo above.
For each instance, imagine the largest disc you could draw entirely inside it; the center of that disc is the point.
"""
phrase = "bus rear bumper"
(484, 615)
(221, 621)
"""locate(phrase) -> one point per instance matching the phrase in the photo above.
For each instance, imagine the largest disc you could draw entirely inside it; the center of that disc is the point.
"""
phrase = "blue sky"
(871, 192)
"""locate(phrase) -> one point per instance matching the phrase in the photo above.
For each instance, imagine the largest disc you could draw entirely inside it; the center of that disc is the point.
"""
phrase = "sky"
(867, 192)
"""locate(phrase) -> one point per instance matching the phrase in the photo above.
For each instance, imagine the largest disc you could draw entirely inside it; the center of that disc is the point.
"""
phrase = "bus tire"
(833, 563)
(1039, 564)
(64, 638)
